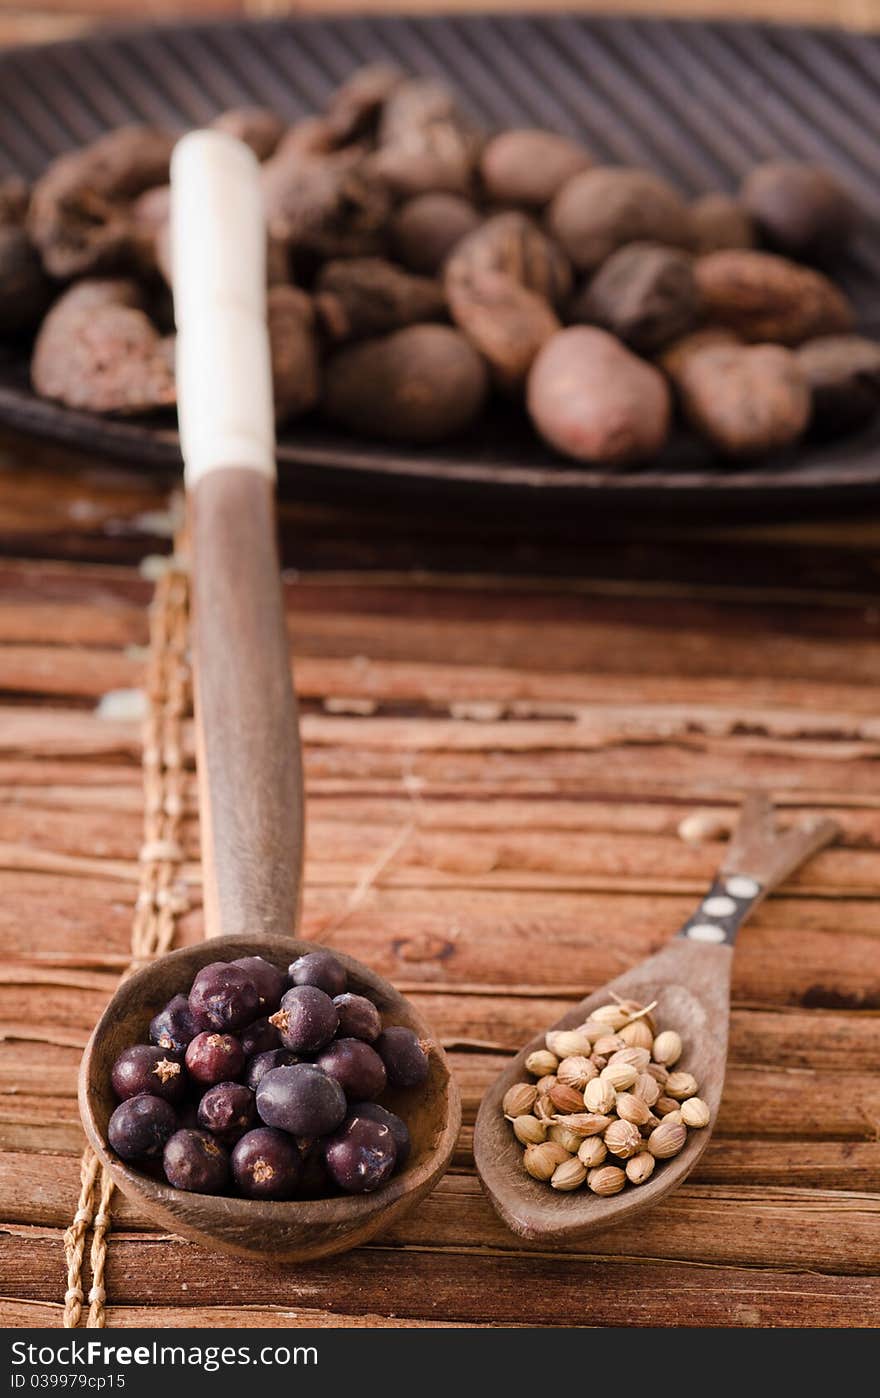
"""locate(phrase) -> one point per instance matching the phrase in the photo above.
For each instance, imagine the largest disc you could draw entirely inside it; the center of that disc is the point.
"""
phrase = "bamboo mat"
(524, 723)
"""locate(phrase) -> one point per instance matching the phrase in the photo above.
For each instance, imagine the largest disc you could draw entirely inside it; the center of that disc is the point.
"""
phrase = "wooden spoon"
(690, 982)
(250, 783)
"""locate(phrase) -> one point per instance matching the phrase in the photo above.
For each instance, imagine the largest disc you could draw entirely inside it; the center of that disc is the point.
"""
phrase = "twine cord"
(160, 901)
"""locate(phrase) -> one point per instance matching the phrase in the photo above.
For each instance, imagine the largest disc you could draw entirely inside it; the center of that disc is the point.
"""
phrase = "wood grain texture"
(250, 771)
(539, 729)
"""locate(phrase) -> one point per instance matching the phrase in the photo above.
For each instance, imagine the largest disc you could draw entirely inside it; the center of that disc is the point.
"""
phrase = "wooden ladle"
(250, 784)
(690, 982)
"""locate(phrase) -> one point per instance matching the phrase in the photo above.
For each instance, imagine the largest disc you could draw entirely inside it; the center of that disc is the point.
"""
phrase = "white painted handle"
(218, 251)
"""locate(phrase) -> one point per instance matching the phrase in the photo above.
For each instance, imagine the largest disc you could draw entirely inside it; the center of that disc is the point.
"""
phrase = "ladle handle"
(759, 858)
(247, 735)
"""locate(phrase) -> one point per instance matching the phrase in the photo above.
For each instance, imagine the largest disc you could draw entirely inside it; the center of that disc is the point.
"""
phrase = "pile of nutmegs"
(608, 1103)
(265, 1083)
(419, 268)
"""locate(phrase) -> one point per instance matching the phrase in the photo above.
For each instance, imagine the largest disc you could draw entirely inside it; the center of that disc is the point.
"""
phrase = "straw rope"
(161, 897)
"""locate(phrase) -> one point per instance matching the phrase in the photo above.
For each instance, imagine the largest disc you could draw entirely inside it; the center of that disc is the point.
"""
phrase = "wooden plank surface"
(530, 730)
(58, 18)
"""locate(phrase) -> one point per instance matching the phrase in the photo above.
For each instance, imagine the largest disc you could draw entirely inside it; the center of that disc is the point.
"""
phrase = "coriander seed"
(640, 1167)
(586, 1123)
(569, 1140)
(528, 1130)
(612, 1015)
(646, 1088)
(569, 1175)
(608, 1179)
(566, 1099)
(600, 1095)
(620, 1075)
(540, 1161)
(592, 1151)
(544, 1084)
(608, 1044)
(577, 1071)
(664, 1105)
(632, 1108)
(519, 1099)
(667, 1139)
(637, 1034)
(695, 1112)
(544, 1109)
(565, 1042)
(623, 1139)
(667, 1048)
(638, 1057)
(681, 1085)
(541, 1061)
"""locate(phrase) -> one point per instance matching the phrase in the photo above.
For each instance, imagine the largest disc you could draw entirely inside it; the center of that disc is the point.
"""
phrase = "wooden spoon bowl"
(691, 985)
(268, 1230)
(690, 982)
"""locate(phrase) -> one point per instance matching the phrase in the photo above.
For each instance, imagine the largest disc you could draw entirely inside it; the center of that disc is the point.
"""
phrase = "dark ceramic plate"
(700, 102)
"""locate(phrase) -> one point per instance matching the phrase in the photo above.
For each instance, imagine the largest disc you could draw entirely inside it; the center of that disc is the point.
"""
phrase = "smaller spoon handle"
(759, 858)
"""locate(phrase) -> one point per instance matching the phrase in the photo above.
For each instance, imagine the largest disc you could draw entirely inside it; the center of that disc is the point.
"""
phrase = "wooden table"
(502, 737)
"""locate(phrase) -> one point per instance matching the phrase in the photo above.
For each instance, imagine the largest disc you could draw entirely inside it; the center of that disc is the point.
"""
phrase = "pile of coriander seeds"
(607, 1103)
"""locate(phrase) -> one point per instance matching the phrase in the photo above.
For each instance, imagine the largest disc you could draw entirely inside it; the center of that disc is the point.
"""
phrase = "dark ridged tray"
(700, 102)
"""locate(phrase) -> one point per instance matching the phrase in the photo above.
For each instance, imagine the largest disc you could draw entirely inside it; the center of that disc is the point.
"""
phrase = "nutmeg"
(593, 400)
(644, 293)
(802, 210)
(718, 221)
(419, 384)
(529, 166)
(507, 323)
(425, 230)
(765, 298)
(512, 245)
(601, 209)
(843, 376)
(746, 399)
